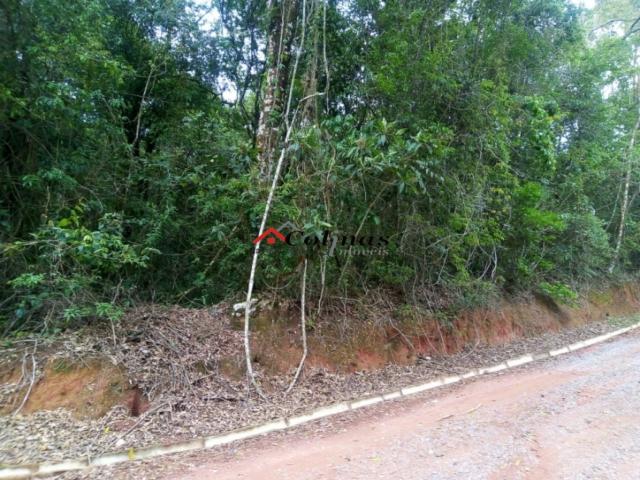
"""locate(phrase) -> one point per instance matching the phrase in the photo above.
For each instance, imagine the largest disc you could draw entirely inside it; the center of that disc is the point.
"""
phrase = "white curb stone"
(421, 388)
(366, 402)
(320, 413)
(516, 362)
(494, 369)
(214, 441)
(15, 473)
(392, 395)
(450, 380)
(111, 459)
(49, 469)
(559, 351)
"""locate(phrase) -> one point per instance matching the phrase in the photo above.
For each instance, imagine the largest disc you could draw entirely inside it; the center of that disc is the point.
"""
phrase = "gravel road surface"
(575, 417)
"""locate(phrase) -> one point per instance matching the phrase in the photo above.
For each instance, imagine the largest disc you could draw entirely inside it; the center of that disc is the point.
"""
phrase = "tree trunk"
(266, 136)
(625, 196)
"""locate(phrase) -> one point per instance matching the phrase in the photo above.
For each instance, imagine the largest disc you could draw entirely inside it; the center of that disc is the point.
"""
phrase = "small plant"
(560, 292)
(70, 269)
(109, 311)
(62, 365)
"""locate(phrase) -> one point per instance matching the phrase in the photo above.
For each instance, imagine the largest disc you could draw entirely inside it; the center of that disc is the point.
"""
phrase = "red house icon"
(271, 234)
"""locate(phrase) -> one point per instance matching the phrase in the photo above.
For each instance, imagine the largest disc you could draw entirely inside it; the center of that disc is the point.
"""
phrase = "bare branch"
(32, 381)
(606, 24)
(303, 328)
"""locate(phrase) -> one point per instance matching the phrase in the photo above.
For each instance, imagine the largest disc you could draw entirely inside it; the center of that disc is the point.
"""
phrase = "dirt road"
(577, 417)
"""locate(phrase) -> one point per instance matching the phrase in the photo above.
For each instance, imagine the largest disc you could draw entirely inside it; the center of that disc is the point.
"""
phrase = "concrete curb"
(44, 469)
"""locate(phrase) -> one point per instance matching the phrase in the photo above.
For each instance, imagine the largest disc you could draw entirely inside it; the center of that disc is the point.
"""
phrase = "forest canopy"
(491, 144)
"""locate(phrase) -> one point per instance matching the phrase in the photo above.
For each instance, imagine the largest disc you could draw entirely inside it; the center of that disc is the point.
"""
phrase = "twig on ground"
(473, 409)
(464, 413)
(33, 379)
(445, 417)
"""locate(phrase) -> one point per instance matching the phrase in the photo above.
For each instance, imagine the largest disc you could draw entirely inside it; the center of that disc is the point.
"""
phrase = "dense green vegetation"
(491, 142)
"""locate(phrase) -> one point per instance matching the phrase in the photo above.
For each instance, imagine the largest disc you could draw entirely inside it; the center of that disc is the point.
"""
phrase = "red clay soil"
(88, 391)
(399, 339)
(363, 344)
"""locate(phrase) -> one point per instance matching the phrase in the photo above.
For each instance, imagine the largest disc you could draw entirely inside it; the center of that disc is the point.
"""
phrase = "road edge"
(202, 443)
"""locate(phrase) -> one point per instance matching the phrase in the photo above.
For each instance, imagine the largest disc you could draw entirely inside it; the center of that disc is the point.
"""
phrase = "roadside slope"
(574, 417)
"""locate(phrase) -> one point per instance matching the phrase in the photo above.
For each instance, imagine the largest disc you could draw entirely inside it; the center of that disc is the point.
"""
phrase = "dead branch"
(32, 381)
(632, 29)
(323, 270)
(303, 327)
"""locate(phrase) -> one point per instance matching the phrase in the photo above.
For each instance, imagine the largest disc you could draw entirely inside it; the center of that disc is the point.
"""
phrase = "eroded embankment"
(172, 373)
(367, 336)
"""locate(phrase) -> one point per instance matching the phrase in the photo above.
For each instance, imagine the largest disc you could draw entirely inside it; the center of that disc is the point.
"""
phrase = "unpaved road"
(577, 417)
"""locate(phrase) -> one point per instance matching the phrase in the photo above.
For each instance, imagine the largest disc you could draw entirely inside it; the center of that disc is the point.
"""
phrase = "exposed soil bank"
(355, 338)
(363, 336)
(181, 369)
